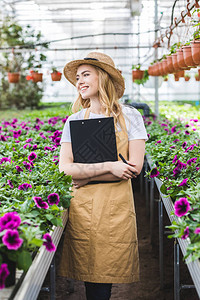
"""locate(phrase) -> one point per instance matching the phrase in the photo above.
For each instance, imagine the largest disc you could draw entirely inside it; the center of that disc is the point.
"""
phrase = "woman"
(100, 246)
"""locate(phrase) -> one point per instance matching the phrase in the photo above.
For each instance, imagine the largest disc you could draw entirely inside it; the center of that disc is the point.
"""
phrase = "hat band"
(89, 58)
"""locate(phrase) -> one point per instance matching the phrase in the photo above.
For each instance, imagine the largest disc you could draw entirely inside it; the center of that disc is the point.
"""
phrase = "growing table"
(193, 267)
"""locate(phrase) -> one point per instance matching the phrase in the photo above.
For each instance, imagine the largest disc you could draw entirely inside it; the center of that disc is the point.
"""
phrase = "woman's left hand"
(77, 183)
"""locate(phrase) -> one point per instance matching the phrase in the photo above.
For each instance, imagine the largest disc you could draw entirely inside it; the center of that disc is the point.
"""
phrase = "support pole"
(151, 208)
(146, 187)
(156, 57)
(176, 271)
(53, 280)
(161, 233)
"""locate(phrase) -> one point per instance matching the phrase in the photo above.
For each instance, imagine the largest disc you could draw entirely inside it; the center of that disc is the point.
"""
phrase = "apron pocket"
(80, 214)
(123, 227)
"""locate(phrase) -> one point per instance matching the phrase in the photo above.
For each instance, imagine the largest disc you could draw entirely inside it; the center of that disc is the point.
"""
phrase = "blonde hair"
(107, 96)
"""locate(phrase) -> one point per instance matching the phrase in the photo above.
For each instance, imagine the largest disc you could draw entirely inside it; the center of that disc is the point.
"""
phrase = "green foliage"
(22, 94)
(144, 79)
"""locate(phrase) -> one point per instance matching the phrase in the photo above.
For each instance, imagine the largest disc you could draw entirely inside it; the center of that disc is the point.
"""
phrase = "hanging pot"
(187, 55)
(175, 63)
(180, 73)
(13, 77)
(37, 76)
(181, 61)
(56, 76)
(195, 49)
(197, 78)
(165, 67)
(187, 78)
(10, 280)
(170, 64)
(137, 74)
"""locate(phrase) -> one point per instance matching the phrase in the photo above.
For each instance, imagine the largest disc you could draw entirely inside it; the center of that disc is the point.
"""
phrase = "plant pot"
(170, 64)
(187, 78)
(13, 77)
(165, 67)
(10, 280)
(37, 76)
(176, 78)
(195, 49)
(197, 78)
(187, 55)
(175, 62)
(161, 71)
(56, 76)
(180, 60)
(137, 74)
(180, 73)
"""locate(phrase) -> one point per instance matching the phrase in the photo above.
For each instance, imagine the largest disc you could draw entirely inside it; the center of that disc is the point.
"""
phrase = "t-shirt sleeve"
(135, 125)
(66, 136)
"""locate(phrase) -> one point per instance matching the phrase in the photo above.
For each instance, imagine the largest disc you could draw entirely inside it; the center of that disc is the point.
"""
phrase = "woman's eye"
(86, 74)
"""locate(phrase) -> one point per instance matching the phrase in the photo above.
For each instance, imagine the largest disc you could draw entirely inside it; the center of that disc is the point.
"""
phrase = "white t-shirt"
(133, 119)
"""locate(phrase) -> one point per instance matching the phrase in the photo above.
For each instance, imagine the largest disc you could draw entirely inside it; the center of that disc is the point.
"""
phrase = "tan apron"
(100, 242)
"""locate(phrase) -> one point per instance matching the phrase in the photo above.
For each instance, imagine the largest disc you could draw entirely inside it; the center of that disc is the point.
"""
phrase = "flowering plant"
(33, 191)
(174, 148)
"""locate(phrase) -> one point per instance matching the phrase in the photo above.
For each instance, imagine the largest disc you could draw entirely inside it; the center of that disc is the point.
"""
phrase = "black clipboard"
(93, 140)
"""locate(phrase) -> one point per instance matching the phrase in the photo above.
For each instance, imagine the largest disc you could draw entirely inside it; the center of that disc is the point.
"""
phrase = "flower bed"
(33, 192)
(174, 148)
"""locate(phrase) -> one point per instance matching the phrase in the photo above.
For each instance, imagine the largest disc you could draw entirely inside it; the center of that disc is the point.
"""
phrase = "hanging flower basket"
(56, 76)
(187, 78)
(37, 76)
(187, 55)
(180, 60)
(137, 74)
(13, 77)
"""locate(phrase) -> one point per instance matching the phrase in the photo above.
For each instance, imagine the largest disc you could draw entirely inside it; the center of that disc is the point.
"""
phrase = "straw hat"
(100, 60)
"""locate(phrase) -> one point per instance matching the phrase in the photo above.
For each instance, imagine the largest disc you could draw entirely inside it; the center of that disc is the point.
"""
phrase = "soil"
(149, 286)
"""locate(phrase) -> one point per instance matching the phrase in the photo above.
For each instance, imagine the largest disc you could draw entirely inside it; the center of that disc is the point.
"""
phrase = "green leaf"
(163, 189)
(24, 260)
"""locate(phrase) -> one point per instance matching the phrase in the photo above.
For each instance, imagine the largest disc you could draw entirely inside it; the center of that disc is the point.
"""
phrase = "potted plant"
(165, 77)
(55, 75)
(187, 77)
(137, 73)
(144, 79)
(195, 47)
(13, 67)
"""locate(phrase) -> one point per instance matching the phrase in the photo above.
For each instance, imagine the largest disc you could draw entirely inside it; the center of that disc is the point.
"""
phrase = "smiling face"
(87, 82)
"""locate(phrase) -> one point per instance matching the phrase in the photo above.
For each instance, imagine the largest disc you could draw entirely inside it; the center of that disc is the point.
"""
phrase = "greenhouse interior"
(99, 99)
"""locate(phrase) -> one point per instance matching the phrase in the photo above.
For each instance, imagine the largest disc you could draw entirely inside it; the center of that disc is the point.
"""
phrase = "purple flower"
(175, 159)
(16, 134)
(57, 141)
(48, 243)
(40, 203)
(186, 233)
(197, 230)
(9, 182)
(19, 169)
(53, 199)
(184, 145)
(166, 129)
(3, 138)
(27, 165)
(187, 125)
(173, 129)
(34, 147)
(5, 159)
(29, 140)
(47, 148)
(190, 148)
(4, 272)
(26, 145)
(184, 182)
(187, 132)
(37, 127)
(32, 156)
(191, 160)
(181, 206)
(10, 220)
(12, 240)
(180, 165)
(24, 186)
(154, 173)
(148, 135)
(176, 140)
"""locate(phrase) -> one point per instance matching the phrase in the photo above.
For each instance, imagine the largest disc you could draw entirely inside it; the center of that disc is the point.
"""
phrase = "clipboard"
(93, 140)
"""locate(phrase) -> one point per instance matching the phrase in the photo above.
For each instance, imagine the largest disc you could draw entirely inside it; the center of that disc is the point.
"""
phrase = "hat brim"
(70, 71)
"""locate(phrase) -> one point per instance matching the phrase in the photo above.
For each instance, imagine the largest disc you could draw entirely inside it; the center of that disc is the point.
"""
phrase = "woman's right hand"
(122, 170)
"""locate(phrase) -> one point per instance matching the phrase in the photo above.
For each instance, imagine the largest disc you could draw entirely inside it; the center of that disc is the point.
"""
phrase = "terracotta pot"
(137, 74)
(170, 64)
(166, 79)
(176, 78)
(197, 78)
(165, 67)
(150, 70)
(37, 76)
(180, 73)
(13, 77)
(56, 76)
(156, 70)
(187, 55)
(180, 60)
(195, 49)
(187, 78)
(174, 61)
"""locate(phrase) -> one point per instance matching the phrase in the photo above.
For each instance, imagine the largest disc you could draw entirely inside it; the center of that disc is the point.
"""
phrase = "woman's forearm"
(82, 171)
(105, 177)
